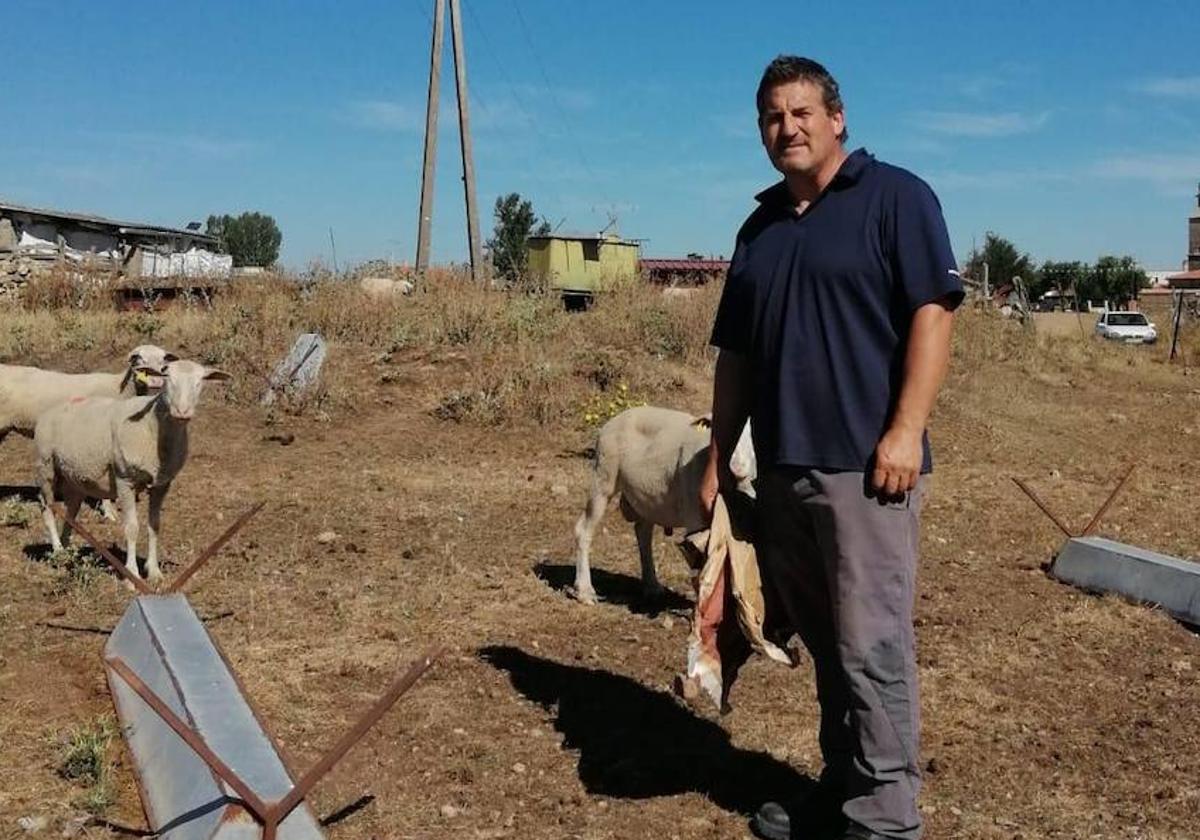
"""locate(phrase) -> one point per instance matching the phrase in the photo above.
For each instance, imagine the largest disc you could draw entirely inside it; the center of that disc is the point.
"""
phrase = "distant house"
(145, 259)
(694, 271)
(579, 265)
(1189, 278)
(1185, 280)
(1193, 258)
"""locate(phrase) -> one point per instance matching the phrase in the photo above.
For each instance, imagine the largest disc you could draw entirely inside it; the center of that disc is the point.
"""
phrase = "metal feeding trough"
(206, 766)
(1100, 565)
(299, 370)
(165, 671)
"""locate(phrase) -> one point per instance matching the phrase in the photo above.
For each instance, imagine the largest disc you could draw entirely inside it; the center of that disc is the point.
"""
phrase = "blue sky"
(1071, 128)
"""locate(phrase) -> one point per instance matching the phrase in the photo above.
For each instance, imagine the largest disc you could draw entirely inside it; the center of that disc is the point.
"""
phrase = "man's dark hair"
(794, 68)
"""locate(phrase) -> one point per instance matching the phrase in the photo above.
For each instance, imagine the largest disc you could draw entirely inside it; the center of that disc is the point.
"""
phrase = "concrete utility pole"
(464, 131)
(464, 135)
(431, 117)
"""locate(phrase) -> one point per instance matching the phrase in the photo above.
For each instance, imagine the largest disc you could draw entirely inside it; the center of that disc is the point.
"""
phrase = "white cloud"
(1171, 87)
(996, 179)
(979, 87)
(968, 124)
(496, 114)
(570, 99)
(197, 145)
(393, 116)
(83, 174)
(1175, 174)
(740, 126)
(384, 115)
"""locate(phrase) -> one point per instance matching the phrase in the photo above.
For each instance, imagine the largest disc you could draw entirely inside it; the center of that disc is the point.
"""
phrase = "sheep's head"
(148, 356)
(183, 381)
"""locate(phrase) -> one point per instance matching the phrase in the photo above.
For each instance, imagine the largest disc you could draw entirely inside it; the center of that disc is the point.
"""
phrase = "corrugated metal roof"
(684, 265)
(585, 237)
(1185, 280)
(137, 228)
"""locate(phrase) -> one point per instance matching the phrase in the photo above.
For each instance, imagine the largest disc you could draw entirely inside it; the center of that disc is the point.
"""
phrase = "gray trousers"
(838, 567)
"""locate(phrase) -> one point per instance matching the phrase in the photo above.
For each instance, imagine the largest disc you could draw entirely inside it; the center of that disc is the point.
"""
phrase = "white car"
(1129, 327)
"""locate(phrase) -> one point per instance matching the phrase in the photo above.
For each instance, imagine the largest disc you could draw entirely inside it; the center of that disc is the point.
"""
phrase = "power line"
(487, 43)
(549, 91)
(526, 113)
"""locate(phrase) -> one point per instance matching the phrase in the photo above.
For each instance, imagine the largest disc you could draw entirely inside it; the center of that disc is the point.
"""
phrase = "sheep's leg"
(128, 501)
(585, 529)
(46, 494)
(651, 588)
(74, 502)
(157, 494)
(108, 510)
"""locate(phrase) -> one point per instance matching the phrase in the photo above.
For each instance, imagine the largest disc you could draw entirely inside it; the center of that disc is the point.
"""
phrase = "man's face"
(800, 136)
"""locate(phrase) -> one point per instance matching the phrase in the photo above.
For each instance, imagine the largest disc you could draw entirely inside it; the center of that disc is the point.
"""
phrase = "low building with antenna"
(581, 264)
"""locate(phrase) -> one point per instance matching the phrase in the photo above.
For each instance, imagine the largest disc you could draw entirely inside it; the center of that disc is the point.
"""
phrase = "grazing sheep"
(27, 392)
(385, 287)
(105, 448)
(653, 458)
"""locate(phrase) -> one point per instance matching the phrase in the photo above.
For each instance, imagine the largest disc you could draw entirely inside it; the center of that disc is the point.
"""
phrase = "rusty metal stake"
(136, 581)
(402, 684)
(1095, 520)
(273, 813)
(189, 736)
(1091, 526)
(291, 377)
(216, 546)
(1046, 510)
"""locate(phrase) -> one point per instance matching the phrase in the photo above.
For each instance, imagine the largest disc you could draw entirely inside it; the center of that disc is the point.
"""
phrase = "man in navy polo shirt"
(834, 335)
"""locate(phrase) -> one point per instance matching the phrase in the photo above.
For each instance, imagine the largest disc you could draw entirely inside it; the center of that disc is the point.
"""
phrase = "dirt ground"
(1048, 713)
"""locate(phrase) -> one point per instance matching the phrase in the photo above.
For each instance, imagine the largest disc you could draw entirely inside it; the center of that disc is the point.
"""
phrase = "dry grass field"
(444, 448)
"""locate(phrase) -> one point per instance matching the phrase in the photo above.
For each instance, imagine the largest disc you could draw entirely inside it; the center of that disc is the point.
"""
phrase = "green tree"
(1116, 279)
(1004, 263)
(1065, 277)
(251, 238)
(514, 224)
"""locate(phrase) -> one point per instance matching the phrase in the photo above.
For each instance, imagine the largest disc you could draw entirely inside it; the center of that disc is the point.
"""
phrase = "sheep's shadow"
(87, 556)
(612, 588)
(636, 743)
(24, 492)
(29, 493)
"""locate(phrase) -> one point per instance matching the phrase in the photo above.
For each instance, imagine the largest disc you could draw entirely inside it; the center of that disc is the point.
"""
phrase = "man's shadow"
(636, 743)
(612, 588)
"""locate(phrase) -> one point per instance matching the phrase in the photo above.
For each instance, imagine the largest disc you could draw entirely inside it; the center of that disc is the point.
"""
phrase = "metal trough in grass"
(161, 641)
(206, 766)
(1100, 565)
(207, 769)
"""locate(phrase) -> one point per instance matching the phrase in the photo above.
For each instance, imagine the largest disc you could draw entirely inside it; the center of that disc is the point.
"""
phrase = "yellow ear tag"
(142, 377)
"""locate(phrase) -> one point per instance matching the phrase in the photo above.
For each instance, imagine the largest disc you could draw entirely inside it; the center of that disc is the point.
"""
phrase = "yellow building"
(582, 264)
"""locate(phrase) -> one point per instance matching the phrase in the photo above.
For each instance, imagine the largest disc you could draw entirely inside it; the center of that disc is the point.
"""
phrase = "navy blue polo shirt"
(821, 304)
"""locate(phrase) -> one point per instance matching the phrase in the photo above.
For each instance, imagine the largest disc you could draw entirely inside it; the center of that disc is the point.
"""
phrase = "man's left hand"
(898, 460)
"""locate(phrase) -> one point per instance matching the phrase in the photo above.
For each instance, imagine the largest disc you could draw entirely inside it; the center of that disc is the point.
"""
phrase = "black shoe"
(817, 817)
(854, 831)
(771, 822)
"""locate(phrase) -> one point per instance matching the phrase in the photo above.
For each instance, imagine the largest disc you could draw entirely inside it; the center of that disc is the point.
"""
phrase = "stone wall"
(14, 270)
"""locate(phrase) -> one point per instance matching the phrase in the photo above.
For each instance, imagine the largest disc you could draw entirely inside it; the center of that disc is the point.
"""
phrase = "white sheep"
(105, 448)
(27, 392)
(385, 287)
(653, 458)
